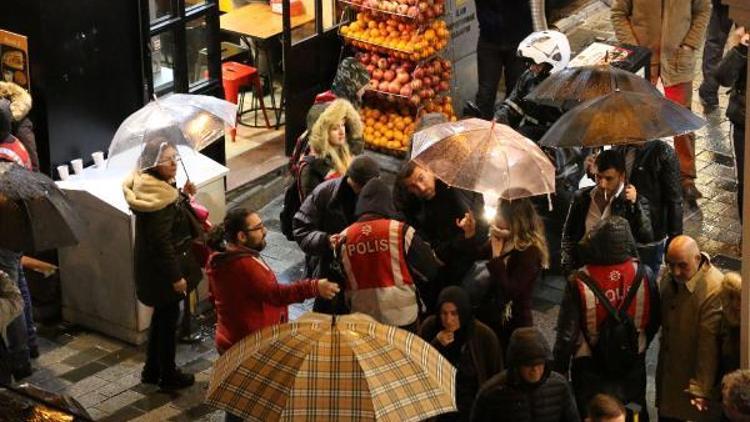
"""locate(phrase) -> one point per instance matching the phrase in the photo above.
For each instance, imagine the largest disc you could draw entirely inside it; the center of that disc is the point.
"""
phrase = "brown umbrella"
(316, 370)
(570, 87)
(621, 118)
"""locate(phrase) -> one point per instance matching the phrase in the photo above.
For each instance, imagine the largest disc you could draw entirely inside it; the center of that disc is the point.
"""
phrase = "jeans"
(162, 345)
(738, 137)
(492, 62)
(716, 37)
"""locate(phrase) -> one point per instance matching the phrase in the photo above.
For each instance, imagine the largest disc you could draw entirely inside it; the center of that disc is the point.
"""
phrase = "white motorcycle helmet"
(546, 47)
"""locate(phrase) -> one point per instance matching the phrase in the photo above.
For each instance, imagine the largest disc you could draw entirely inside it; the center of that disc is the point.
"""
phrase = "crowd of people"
(421, 255)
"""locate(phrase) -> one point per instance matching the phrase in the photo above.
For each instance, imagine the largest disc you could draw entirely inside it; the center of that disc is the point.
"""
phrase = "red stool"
(236, 75)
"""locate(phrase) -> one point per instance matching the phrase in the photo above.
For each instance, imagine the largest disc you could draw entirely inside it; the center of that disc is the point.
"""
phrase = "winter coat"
(732, 72)
(475, 351)
(328, 210)
(663, 26)
(529, 118)
(164, 233)
(689, 352)
(730, 348)
(575, 224)
(248, 297)
(435, 222)
(656, 177)
(336, 111)
(313, 172)
(23, 129)
(504, 23)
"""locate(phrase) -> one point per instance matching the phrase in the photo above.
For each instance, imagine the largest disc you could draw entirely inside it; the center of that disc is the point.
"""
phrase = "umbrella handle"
(182, 163)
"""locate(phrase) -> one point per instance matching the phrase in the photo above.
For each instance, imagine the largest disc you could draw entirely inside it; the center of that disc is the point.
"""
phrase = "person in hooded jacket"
(384, 260)
(527, 390)
(246, 294)
(732, 72)
(612, 195)
(22, 128)
(468, 345)
(165, 267)
(330, 154)
(350, 83)
(610, 263)
(318, 223)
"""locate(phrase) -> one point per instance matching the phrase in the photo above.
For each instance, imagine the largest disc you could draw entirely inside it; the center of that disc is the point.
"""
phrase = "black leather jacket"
(656, 176)
(530, 119)
(732, 72)
(575, 224)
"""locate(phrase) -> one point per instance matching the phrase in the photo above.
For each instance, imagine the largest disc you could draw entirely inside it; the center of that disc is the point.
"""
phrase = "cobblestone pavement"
(103, 374)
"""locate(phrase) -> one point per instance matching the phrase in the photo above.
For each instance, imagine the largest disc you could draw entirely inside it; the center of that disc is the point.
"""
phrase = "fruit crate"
(405, 11)
(405, 82)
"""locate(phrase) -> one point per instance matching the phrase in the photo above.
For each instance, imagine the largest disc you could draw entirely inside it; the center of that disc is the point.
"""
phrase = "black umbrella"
(35, 215)
(621, 118)
(572, 86)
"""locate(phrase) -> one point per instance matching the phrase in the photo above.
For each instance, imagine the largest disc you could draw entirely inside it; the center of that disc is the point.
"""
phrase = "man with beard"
(246, 293)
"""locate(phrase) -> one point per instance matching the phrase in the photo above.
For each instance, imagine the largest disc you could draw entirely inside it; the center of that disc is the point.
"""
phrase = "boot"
(177, 380)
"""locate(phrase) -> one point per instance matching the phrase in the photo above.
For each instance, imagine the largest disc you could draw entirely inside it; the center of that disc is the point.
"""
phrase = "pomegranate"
(389, 75)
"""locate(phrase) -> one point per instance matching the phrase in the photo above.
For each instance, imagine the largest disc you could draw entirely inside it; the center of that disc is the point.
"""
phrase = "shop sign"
(14, 58)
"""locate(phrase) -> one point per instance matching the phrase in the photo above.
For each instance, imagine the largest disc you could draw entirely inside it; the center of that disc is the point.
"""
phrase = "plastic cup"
(63, 171)
(98, 157)
(77, 166)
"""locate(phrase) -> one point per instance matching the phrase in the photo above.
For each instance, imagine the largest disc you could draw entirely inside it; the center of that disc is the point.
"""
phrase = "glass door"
(182, 47)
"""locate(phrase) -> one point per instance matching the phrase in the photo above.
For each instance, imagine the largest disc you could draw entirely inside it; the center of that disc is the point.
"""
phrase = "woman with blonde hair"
(517, 252)
(330, 154)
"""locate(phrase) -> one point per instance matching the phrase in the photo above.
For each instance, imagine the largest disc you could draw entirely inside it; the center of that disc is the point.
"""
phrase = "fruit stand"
(400, 43)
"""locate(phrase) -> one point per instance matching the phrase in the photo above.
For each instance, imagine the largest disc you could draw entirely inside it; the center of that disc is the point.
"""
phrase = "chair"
(236, 75)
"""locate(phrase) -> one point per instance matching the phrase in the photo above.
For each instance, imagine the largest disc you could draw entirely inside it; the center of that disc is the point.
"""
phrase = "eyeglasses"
(176, 159)
(260, 226)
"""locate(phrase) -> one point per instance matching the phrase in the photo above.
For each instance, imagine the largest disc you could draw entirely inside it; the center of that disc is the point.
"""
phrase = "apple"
(416, 84)
(364, 59)
(402, 10)
(383, 86)
(394, 87)
(402, 77)
(422, 6)
(424, 94)
(412, 12)
(373, 84)
(389, 75)
(377, 74)
(444, 86)
(427, 81)
(371, 68)
(406, 90)
(419, 73)
(415, 99)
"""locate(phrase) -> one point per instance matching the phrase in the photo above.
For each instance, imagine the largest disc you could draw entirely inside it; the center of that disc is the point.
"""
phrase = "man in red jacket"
(245, 291)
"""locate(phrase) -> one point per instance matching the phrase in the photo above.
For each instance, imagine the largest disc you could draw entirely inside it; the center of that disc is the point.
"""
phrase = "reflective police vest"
(378, 279)
(615, 282)
(15, 152)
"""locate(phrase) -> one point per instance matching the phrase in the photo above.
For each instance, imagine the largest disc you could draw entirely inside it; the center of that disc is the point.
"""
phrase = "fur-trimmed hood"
(146, 193)
(337, 110)
(20, 100)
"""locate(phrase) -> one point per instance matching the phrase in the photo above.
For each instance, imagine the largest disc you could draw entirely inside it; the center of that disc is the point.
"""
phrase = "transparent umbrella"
(180, 119)
(485, 157)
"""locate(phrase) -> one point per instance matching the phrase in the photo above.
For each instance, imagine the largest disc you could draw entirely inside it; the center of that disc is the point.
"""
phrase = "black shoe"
(149, 377)
(22, 372)
(177, 380)
(190, 338)
(690, 193)
(34, 352)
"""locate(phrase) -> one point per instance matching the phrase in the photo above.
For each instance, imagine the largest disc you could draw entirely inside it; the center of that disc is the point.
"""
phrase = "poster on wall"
(14, 58)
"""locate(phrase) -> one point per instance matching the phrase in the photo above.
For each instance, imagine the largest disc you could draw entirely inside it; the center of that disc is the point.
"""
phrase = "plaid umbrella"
(313, 370)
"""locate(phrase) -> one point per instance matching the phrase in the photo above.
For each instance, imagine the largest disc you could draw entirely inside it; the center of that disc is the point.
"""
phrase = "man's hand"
(468, 224)
(180, 286)
(588, 164)
(189, 188)
(699, 403)
(445, 337)
(631, 194)
(743, 35)
(327, 289)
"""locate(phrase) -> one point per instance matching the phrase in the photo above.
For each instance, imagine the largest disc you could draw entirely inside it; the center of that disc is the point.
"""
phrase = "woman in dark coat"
(468, 344)
(164, 264)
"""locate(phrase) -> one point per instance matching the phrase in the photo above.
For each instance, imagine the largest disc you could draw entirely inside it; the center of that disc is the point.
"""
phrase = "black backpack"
(292, 201)
(616, 350)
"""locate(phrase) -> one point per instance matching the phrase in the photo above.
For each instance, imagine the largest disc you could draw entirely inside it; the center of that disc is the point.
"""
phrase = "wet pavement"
(103, 374)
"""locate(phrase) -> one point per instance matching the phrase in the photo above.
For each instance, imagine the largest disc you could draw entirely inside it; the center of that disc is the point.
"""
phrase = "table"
(258, 22)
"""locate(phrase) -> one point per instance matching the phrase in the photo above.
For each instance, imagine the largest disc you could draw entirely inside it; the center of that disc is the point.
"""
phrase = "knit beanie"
(375, 198)
(527, 346)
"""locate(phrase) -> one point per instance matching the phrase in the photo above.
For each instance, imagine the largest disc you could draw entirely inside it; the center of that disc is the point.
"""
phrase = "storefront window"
(160, 8)
(197, 54)
(162, 62)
